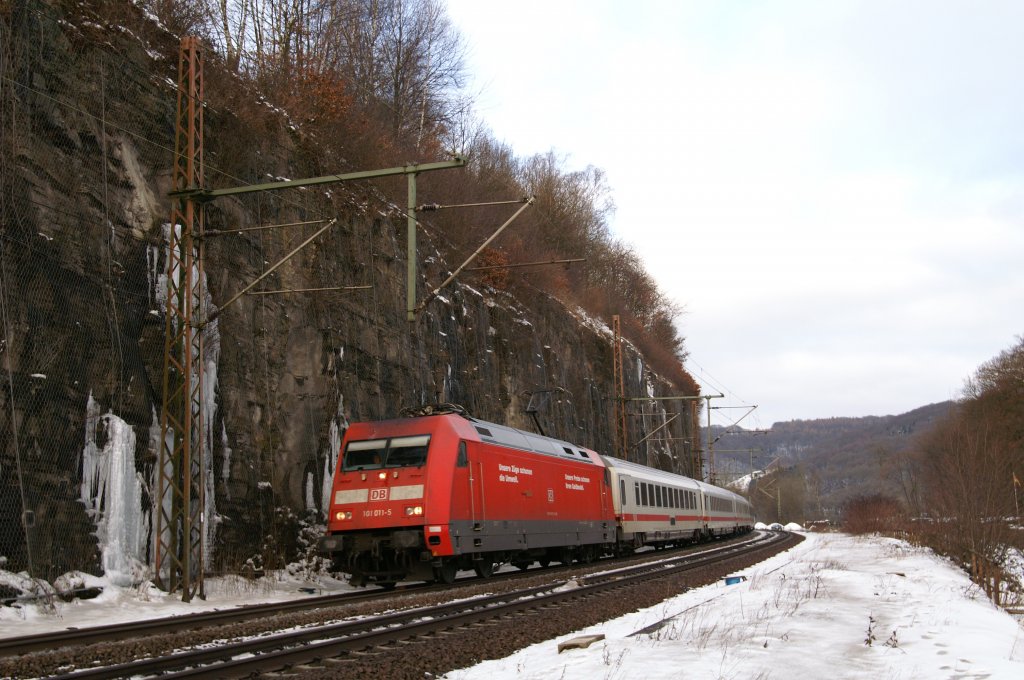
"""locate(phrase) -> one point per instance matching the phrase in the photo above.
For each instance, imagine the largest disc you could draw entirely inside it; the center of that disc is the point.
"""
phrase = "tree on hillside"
(968, 475)
(379, 82)
(399, 61)
(996, 392)
(970, 466)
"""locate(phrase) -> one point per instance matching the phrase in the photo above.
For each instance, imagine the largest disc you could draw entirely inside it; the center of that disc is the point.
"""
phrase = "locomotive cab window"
(365, 455)
(463, 458)
(407, 451)
(372, 454)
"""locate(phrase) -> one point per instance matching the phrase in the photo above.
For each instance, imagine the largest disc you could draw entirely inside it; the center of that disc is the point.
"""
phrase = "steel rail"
(173, 624)
(315, 644)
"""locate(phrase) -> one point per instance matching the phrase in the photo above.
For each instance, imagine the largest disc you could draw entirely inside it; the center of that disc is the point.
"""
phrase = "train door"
(470, 457)
(704, 500)
(607, 507)
(465, 483)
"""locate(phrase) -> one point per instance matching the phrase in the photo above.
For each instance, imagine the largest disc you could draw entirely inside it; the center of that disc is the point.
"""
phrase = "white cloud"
(804, 177)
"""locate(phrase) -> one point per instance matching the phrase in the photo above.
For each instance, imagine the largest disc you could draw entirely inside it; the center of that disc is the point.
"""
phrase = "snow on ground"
(119, 605)
(835, 606)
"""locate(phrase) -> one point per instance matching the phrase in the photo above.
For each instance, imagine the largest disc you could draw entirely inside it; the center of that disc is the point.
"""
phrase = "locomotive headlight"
(414, 510)
(382, 475)
(342, 515)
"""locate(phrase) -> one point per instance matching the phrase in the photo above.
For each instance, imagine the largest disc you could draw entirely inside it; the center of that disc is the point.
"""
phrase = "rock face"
(84, 135)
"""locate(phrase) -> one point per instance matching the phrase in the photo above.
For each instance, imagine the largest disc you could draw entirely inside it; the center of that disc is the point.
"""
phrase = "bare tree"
(968, 474)
(405, 60)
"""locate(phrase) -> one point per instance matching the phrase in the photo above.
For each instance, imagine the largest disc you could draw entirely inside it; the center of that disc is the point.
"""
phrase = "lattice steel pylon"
(620, 391)
(178, 506)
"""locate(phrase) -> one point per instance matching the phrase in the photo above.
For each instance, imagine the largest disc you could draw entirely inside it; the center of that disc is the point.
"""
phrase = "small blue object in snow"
(733, 580)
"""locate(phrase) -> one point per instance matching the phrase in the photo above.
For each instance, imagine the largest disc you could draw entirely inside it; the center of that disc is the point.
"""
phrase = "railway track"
(175, 624)
(343, 648)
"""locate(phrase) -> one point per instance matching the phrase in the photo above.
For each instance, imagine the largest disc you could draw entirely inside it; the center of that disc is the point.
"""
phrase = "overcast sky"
(833, 190)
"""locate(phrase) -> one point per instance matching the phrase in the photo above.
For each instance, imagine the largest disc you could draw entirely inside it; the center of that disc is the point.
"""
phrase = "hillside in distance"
(838, 458)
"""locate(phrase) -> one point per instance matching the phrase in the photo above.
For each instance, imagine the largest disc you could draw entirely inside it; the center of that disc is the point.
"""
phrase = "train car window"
(636, 489)
(676, 499)
(364, 455)
(407, 451)
(657, 496)
(463, 458)
(643, 494)
(622, 491)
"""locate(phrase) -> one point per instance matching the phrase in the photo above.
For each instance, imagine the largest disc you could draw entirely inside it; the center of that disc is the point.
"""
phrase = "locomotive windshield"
(396, 452)
(407, 451)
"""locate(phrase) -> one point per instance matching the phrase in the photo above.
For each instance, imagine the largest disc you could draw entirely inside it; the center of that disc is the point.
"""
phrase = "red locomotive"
(422, 498)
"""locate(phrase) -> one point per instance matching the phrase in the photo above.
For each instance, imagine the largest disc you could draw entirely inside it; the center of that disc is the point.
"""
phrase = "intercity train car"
(726, 512)
(654, 507)
(421, 498)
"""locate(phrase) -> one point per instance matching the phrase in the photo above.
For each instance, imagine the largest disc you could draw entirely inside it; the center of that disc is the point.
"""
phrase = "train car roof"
(721, 491)
(653, 473)
(502, 435)
(521, 439)
(619, 464)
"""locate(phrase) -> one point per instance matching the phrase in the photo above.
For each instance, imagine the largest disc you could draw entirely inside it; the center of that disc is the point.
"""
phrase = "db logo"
(378, 494)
